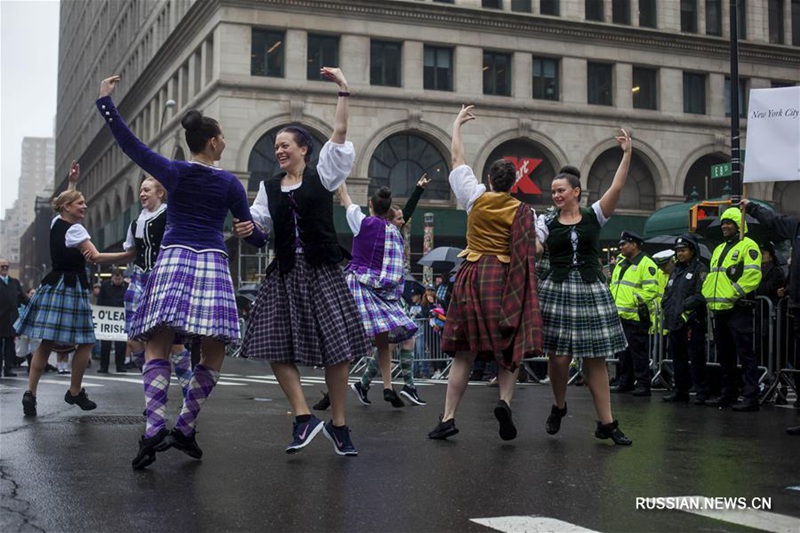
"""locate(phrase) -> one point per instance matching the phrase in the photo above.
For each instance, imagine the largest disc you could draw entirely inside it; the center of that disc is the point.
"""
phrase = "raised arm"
(411, 204)
(73, 176)
(608, 203)
(155, 164)
(344, 197)
(340, 120)
(458, 154)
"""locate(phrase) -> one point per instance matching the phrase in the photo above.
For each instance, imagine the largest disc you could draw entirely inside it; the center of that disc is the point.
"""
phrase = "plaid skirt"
(305, 316)
(380, 315)
(133, 295)
(61, 314)
(580, 318)
(190, 292)
(473, 317)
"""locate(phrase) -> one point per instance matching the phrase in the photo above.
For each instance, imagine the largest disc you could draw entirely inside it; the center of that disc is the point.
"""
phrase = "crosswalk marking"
(530, 524)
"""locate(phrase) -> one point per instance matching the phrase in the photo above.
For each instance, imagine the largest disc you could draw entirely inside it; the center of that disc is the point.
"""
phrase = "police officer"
(685, 319)
(735, 273)
(634, 287)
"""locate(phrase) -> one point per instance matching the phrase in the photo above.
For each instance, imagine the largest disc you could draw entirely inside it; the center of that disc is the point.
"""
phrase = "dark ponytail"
(382, 202)
(199, 129)
(502, 175)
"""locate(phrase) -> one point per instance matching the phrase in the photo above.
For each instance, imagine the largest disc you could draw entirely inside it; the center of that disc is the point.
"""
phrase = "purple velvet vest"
(368, 245)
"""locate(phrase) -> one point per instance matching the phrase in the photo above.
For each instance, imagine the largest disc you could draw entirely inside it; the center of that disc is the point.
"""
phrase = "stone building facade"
(552, 81)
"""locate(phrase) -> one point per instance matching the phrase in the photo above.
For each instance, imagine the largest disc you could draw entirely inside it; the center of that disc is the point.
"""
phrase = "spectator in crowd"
(735, 274)
(772, 278)
(11, 296)
(112, 294)
(634, 287)
(783, 227)
(25, 345)
(685, 320)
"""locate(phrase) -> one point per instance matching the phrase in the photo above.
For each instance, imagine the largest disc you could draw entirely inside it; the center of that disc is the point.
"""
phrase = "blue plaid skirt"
(191, 293)
(61, 314)
(305, 316)
(579, 318)
(134, 294)
(381, 311)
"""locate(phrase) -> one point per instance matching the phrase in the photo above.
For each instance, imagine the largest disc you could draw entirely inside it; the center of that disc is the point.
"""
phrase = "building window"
(776, 84)
(648, 17)
(594, 10)
(521, 6)
(497, 73)
(445, 1)
(776, 21)
(742, 97)
(742, 19)
(385, 63)
(545, 78)
(600, 84)
(689, 16)
(714, 17)
(549, 7)
(400, 160)
(645, 88)
(492, 4)
(323, 51)
(795, 22)
(621, 11)
(694, 93)
(267, 54)
(438, 68)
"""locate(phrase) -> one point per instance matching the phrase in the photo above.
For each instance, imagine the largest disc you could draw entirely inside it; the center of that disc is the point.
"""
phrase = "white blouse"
(76, 234)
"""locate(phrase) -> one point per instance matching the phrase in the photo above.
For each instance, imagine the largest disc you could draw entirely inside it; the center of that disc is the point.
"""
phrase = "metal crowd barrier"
(785, 355)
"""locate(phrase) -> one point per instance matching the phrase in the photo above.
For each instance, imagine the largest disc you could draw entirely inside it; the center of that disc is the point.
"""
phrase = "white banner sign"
(109, 323)
(773, 135)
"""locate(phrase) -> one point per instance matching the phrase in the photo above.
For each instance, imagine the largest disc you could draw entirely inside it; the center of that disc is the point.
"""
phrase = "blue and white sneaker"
(340, 437)
(303, 433)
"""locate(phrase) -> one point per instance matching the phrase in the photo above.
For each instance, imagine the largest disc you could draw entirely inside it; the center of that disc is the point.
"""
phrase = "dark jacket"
(112, 295)
(683, 297)
(11, 296)
(782, 227)
(772, 279)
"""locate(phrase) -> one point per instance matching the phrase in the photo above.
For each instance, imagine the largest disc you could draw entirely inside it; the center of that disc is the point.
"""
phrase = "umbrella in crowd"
(442, 259)
(662, 242)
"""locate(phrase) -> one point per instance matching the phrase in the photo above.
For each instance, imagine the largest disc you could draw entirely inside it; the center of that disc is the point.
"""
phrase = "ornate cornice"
(480, 20)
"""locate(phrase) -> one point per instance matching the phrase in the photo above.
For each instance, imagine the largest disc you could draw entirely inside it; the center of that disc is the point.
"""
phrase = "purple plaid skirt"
(58, 313)
(190, 292)
(381, 312)
(134, 294)
(306, 316)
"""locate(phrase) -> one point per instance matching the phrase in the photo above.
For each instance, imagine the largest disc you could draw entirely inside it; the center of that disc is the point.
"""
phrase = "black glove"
(644, 314)
(734, 272)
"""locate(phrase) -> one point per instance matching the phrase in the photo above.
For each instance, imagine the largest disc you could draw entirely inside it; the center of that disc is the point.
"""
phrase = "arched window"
(639, 191)
(534, 169)
(698, 178)
(263, 164)
(399, 162)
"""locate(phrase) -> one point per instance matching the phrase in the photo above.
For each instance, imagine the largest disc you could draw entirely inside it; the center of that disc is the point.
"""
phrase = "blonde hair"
(66, 197)
(159, 188)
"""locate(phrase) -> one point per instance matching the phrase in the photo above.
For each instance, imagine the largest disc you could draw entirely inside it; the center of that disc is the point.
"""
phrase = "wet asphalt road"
(69, 470)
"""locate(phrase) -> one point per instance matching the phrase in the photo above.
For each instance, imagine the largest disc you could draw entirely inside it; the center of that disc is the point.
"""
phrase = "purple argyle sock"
(182, 363)
(155, 375)
(200, 387)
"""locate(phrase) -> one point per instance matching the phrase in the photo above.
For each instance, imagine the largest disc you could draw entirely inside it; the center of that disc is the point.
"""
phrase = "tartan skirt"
(58, 313)
(133, 295)
(305, 316)
(579, 318)
(473, 318)
(190, 292)
(380, 315)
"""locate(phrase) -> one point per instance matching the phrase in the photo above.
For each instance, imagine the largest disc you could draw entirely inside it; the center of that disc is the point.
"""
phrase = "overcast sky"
(28, 77)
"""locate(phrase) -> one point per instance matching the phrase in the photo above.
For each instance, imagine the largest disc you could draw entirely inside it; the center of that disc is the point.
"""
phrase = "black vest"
(148, 246)
(313, 205)
(68, 262)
